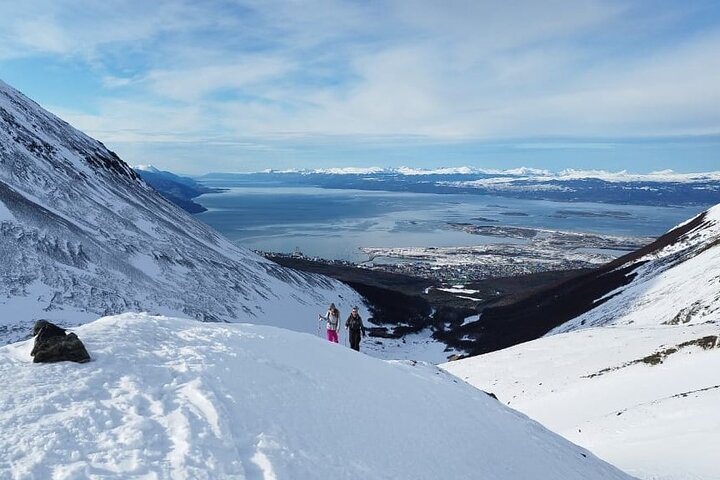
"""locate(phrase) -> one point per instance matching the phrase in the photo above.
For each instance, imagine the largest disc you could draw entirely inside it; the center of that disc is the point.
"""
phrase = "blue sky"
(247, 85)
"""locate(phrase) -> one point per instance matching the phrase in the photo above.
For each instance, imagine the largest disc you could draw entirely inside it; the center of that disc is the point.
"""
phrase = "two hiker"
(354, 325)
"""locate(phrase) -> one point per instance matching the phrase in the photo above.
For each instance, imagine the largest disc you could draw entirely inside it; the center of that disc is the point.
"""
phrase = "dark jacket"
(355, 323)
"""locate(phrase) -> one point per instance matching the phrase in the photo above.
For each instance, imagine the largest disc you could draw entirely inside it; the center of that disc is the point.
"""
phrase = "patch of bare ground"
(706, 343)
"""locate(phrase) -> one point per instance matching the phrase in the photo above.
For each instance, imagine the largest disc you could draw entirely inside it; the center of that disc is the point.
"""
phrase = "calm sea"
(333, 224)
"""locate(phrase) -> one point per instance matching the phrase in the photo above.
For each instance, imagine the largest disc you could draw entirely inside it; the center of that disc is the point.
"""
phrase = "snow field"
(591, 386)
(178, 399)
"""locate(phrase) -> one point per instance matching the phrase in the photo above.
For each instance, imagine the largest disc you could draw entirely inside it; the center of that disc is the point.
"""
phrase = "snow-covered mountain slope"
(677, 283)
(604, 388)
(677, 277)
(81, 235)
(642, 388)
(169, 398)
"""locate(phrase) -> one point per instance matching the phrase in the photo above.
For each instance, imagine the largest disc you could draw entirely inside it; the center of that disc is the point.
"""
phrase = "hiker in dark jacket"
(354, 325)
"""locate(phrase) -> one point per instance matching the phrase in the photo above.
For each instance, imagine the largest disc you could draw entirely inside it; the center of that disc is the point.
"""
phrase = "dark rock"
(47, 330)
(381, 332)
(53, 344)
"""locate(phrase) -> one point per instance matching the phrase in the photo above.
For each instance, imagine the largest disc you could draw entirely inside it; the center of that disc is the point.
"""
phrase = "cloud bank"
(281, 82)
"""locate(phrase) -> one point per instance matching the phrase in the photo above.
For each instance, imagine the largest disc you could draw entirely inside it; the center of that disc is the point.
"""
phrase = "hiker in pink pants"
(333, 322)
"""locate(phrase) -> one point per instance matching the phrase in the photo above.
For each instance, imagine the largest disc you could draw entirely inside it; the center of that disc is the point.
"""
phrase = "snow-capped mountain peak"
(146, 168)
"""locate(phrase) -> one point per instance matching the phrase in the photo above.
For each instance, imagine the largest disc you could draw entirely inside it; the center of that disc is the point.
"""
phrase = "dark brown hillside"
(536, 314)
(517, 309)
(406, 304)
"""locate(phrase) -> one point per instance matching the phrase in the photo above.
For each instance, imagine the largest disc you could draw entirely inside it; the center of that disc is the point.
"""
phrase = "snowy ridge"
(641, 390)
(621, 176)
(438, 171)
(677, 284)
(146, 168)
(168, 398)
(657, 188)
(537, 180)
(498, 176)
(345, 171)
(85, 236)
(672, 280)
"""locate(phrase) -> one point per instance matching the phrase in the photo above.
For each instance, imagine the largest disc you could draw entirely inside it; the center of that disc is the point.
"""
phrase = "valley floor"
(409, 312)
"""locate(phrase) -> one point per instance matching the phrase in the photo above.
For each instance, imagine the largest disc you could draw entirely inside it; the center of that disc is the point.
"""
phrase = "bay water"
(335, 223)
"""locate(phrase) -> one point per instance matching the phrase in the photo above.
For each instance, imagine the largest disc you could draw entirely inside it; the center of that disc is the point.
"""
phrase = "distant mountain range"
(665, 188)
(178, 189)
(524, 172)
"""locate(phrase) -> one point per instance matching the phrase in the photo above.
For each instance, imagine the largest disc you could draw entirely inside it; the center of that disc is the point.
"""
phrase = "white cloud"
(257, 70)
(191, 84)
(125, 121)
(77, 27)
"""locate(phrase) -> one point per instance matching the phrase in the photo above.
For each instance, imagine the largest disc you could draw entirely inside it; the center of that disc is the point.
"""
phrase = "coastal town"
(515, 251)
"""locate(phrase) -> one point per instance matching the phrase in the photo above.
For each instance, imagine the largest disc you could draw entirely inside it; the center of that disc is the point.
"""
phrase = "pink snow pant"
(332, 336)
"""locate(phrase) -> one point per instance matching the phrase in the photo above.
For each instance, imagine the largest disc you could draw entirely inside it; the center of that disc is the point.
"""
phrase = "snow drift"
(172, 398)
(81, 235)
(642, 388)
